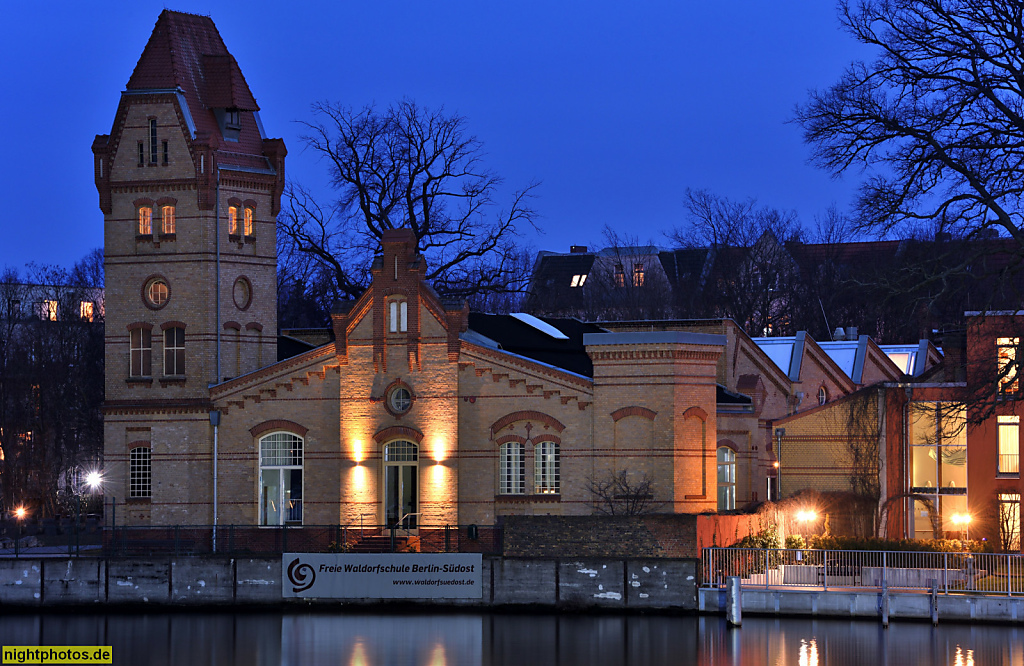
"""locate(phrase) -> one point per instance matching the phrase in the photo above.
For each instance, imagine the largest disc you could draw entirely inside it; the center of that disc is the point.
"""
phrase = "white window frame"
(726, 478)
(512, 466)
(145, 221)
(140, 472)
(547, 468)
(167, 224)
(287, 454)
(140, 356)
(1009, 445)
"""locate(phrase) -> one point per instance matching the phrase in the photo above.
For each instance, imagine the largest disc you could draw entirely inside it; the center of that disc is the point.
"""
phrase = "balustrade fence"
(992, 573)
(242, 540)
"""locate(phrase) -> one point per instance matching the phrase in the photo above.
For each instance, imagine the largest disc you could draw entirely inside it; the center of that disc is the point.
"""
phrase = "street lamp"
(19, 514)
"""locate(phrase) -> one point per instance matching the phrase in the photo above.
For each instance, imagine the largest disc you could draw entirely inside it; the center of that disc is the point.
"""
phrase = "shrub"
(795, 542)
(823, 542)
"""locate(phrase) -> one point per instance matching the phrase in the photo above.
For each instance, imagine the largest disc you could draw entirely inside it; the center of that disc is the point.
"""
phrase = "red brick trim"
(166, 201)
(233, 325)
(172, 324)
(398, 432)
(254, 326)
(139, 444)
(526, 415)
(695, 413)
(234, 201)
(143, 202)
(504, 439)
(278, 424)
(620, 414)
(729, 444)
(250, 203)
(386, 398)
(139, 324)
(546, 438)
(248, 284)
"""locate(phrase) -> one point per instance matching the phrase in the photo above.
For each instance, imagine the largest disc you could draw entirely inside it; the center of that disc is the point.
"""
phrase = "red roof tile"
(186, 51)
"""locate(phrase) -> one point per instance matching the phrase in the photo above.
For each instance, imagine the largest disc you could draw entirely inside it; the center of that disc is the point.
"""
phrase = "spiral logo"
(298, 576)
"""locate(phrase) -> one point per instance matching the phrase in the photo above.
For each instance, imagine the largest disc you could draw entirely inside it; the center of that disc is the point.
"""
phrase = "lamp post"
(965, 520)
(19, 515)
(93, 482)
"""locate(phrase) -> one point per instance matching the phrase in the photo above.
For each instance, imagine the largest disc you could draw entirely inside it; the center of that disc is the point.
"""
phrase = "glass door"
(401, 472)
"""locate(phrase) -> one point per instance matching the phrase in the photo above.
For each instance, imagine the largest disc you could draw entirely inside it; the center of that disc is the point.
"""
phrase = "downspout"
(215, 415)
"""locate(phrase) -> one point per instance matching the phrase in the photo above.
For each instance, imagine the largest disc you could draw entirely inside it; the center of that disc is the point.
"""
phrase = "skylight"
(541, 326)
(578, 280)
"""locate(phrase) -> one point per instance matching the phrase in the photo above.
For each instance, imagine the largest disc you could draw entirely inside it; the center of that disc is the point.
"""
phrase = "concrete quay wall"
(575, 583)
(960, 607)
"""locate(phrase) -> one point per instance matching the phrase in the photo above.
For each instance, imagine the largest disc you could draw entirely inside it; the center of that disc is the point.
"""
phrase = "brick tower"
(190, 188)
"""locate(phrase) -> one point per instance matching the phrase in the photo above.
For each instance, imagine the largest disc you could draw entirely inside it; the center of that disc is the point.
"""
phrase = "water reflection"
(442, 639)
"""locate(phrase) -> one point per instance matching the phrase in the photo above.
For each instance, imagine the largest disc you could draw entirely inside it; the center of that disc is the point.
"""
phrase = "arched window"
(232, 220)
(174, 351)
(248, 230)
(140, 361)
(822, 395)
(281, 479)
(726, 479)
(547, 472)
(513, 469)
(401, 477)
(145, 221)
(167, 219)
(140, 472)
(398, 316)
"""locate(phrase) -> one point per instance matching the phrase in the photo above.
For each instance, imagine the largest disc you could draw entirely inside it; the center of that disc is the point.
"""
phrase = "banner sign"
(384, 576)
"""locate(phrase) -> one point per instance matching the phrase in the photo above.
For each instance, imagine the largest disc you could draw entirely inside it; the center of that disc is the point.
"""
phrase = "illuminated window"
(157, 292)
(145, 221)
(1009, 521)
(167, 220)
(726, 479)
(248, 222)
(141, 358)
(398, 319)
(513, 469)
(48, 310)
(281, 479)
(547, 473)
(620, 276)
(140, 473)
(174, 351)
(1007, 364)
(638, 275)
(232, 220)
(822, 395)
(1009, 445)
(152, 141)
(578, 280)
(85, 310)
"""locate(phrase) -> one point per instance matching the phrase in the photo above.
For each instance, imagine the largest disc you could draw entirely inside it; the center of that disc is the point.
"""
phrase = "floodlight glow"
(805, 516)
(20, 512)
(93, 480)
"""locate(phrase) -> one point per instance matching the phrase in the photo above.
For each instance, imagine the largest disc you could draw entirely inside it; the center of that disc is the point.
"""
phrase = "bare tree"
(937, 120)
(406, 167)
(622, 494)
(749, 272)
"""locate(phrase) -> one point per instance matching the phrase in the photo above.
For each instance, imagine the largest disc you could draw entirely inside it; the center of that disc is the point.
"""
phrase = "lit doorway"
(401, 474)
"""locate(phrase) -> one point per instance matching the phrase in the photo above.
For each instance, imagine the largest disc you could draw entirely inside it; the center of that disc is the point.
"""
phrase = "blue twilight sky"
(615, 107)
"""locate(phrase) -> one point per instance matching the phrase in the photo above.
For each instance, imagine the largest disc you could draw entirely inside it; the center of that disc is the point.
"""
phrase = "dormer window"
(230, 121)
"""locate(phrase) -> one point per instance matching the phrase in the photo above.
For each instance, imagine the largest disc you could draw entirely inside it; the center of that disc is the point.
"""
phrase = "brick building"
(409, 415)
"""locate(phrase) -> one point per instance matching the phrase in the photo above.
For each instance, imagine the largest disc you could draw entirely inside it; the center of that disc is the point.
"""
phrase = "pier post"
(733, 601)
(885, 604)
(935, 602)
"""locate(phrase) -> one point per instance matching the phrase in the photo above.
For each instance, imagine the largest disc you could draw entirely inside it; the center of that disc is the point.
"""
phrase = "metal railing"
(992, 573)
(242, 540)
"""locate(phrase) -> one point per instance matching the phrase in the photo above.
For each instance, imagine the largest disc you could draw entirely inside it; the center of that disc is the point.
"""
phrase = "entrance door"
(401, 472)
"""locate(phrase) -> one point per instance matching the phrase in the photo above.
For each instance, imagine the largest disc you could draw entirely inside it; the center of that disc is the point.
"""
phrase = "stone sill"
(520, 499)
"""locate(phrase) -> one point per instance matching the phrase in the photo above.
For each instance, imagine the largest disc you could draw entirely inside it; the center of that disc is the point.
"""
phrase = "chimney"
(840, 333)
(851, 333)
(577, 249)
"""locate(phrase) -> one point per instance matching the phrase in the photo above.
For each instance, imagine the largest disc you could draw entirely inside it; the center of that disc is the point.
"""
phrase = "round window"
(400, 400)
(242, 293)
(157, 292)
